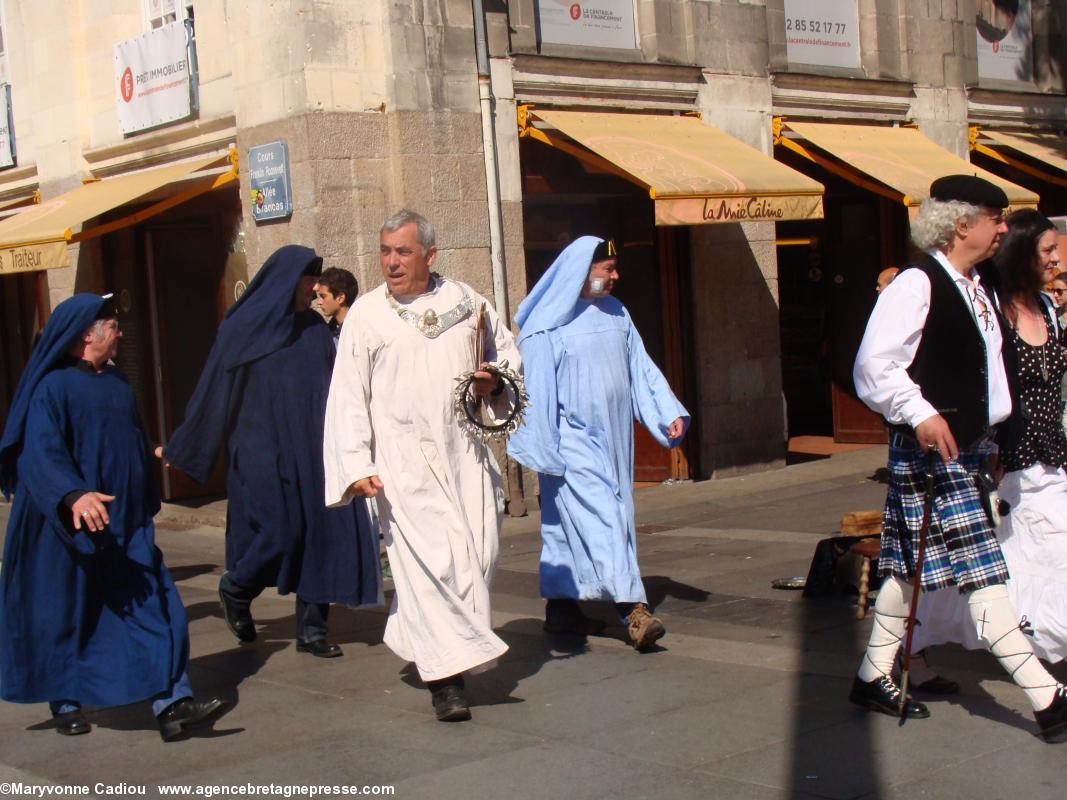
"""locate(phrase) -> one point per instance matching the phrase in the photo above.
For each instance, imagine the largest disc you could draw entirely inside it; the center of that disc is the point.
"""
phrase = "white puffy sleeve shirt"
(892, 339)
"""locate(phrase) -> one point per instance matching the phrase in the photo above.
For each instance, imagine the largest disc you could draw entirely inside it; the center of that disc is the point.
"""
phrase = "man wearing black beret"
(930, 363)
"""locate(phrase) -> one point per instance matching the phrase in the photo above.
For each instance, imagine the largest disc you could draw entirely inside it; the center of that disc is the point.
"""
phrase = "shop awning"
(20, 201)
(1049, 149)
(37, 238)
(695, 173)
(898, 163)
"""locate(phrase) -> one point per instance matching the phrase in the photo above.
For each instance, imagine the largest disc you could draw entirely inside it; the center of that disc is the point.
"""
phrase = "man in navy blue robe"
(88, 611)
(263, 392)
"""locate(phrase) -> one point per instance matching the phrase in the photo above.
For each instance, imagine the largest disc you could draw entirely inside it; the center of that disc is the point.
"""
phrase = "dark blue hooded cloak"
(263, 392)
(90, 617)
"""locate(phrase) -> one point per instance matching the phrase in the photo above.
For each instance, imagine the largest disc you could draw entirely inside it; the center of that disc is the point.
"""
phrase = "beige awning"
(20, 202)
(899, 163)
(37, 238)
(695, 173)
(1047, 148)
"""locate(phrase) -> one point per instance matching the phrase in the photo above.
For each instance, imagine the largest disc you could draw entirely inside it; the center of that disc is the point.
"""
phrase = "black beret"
(968, 189)
(604, 251)
(108, 309)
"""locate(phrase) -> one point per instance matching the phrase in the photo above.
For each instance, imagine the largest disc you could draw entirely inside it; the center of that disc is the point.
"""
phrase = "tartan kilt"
(961, 547)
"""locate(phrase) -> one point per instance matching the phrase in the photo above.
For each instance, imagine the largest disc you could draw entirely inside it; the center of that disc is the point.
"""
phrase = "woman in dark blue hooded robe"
(263, 392)
(86, 616)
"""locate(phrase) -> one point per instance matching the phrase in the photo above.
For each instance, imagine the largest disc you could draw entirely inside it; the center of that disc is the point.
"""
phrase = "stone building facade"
(379, 104)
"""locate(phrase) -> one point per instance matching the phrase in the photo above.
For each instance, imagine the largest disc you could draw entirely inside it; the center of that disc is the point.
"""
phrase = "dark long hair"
(1017, 252)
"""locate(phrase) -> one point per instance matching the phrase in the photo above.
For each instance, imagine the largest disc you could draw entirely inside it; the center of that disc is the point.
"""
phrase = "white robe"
(1034, 539)
(390, 414)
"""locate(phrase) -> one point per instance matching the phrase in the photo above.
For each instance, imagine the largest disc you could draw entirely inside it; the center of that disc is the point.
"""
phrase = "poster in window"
(1005, 40)
(822, 33)
(587, 23)
(7, 134)
(152, 78)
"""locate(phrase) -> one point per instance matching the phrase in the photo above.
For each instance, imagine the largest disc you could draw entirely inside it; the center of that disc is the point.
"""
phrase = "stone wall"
(736, 348)
(351, 170)
(941, 46)
(379, 104)
(735, 307)
(729, 36)
(1049, 21)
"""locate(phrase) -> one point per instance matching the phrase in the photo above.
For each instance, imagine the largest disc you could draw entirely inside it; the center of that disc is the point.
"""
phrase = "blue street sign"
(268, 173)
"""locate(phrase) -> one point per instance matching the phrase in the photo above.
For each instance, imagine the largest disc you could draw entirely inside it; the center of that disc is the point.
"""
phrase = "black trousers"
(561, 606)
(310, 617)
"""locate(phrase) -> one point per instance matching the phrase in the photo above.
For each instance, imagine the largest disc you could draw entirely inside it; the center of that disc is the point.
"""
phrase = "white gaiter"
(997, 626)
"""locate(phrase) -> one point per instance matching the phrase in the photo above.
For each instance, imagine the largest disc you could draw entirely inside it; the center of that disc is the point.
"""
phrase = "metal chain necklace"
(429, 323)
(1043, 348)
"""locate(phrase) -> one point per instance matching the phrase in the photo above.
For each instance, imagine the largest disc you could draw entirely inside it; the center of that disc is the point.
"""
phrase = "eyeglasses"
(1059, 291)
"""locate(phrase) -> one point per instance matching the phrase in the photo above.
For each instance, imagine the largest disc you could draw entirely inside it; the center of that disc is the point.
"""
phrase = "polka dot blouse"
(1040, 371)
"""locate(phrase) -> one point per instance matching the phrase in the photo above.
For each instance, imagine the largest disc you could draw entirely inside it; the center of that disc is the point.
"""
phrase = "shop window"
(3, 48)
(162, 12)
(7, 136)
(1004, 32)
(823, 34)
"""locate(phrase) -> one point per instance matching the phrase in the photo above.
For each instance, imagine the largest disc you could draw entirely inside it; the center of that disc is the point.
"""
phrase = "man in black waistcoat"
(931, 364)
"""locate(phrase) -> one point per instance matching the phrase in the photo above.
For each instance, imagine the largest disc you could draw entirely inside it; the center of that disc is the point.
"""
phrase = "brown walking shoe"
(643, 628)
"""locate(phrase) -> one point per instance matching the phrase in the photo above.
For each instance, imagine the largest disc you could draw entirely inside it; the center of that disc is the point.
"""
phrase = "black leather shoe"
(450, 704)
(72, 723)
(187, 713)
(319, 647)
(238, 620)
(882, 695)
(937, 685)
(1053, 720)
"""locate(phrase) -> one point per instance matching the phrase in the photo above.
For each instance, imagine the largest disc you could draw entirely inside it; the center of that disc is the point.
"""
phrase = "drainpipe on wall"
(516, 501)
(492, 174)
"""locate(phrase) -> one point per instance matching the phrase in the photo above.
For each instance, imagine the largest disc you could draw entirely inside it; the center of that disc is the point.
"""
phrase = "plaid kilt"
(961, 547)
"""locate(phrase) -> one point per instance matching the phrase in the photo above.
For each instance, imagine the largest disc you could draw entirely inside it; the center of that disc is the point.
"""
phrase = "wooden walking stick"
(479, 351)
(479, 338)
(920, 555)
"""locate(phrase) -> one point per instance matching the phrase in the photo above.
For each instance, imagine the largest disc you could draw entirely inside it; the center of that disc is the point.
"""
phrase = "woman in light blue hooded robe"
(588, 376)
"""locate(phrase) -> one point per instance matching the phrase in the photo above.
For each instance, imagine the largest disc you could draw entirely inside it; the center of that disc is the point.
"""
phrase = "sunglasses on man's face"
(1059, 291)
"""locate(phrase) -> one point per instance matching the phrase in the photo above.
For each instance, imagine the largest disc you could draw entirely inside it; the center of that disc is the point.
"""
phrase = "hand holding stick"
(483, 382)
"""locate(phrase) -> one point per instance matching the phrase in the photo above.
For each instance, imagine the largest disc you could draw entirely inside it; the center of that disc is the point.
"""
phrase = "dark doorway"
(171, 276)
(22, 313)
(827, 272)
(188, 307)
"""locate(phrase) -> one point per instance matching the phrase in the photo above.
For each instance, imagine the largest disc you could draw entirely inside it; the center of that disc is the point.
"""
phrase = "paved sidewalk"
(745, 699)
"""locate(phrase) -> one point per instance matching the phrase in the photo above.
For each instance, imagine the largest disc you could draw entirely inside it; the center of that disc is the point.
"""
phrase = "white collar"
(954, 273)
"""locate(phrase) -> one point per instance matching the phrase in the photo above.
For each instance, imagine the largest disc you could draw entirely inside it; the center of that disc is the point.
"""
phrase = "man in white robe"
(391, 434)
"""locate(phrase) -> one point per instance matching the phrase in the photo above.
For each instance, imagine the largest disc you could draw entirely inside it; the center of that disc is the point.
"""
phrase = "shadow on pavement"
(838, 759)
(209, 608)
(529, 649)
(187, 571)
(880, 475)
(659, 588)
